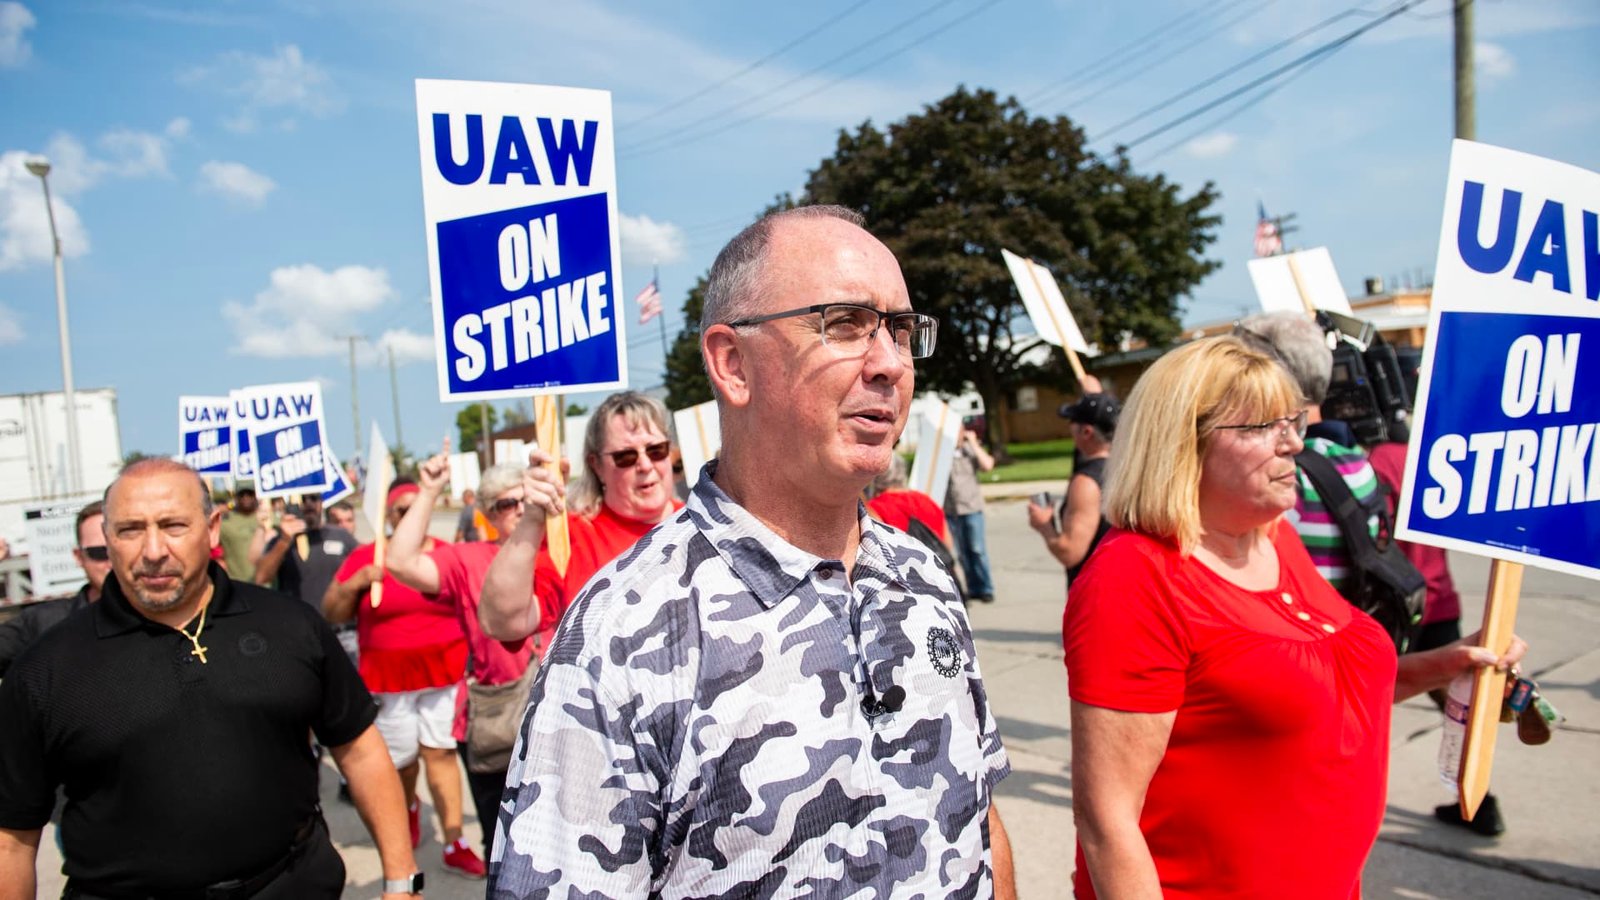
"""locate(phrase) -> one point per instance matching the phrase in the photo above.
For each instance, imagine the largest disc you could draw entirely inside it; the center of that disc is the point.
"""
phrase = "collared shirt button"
(1287, 597)
(1328, 628)
(1303, 616)
(825, 572)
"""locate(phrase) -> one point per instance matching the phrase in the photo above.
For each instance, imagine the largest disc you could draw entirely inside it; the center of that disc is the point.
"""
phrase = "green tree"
(516, 415)
(948, 187)
(576, 409)
(469, 422)
(687, 384)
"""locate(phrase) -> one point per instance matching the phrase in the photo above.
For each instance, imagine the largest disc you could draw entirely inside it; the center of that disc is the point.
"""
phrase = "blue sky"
(237, 182)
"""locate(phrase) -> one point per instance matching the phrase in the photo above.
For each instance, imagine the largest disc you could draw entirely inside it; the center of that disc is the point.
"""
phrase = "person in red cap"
(413, 657)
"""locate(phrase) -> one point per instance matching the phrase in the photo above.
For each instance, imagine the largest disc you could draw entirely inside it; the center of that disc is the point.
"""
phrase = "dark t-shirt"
(308, 579)
(467, 523)
(177, 773)
(1095, 470)
(26, 626)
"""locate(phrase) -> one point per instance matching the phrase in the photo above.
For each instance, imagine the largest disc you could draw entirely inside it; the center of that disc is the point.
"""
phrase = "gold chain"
(195, 638)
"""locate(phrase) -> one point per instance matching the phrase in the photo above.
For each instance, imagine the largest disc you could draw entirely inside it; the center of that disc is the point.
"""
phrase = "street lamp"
(41, 168)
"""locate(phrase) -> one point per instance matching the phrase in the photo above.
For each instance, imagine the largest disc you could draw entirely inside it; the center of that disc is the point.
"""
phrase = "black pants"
(316, 874)
(487, 789)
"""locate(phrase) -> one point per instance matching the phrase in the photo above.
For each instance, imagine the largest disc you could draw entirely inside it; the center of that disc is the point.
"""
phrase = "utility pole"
(394, 391)
(1466, 93)
(355, 395)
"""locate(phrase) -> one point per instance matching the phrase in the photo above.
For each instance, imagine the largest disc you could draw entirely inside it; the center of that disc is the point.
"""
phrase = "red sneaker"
(459, 859)
(414, 816)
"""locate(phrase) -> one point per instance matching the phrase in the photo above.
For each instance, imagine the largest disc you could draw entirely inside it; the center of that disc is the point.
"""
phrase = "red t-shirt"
(1274, 777)
(461, 571)
(899, 507)
(1443, 603)
(595, 542)
(407, 643)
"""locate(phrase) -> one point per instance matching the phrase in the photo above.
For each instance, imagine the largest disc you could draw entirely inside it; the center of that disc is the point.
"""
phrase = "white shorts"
(409, 718)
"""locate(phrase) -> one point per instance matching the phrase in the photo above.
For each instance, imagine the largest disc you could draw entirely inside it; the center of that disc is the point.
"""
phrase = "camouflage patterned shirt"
(698, 728)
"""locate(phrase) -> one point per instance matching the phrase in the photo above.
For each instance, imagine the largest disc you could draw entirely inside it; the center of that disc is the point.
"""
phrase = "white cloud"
(307, 311)
(1211, 146)
(134, 154)
(1492, 62)
(236, 181)
(408, 346)
(15, 19)
(24, 224)
(10, 326)
(645, 240)
(284, 82)
(178, 128)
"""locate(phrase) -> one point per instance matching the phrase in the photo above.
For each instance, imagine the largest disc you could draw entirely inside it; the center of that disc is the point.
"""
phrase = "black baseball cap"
(1099, 410)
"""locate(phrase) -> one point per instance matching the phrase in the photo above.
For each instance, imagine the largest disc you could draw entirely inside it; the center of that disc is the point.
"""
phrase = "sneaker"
(1487, 822)
(459, 859)
(414, 818)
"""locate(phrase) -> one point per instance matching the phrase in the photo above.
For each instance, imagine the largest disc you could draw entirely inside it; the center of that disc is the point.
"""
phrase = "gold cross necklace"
(195, 638)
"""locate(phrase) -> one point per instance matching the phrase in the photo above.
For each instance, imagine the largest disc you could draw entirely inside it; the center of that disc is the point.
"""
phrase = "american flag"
(1268, 241)
(649, 301)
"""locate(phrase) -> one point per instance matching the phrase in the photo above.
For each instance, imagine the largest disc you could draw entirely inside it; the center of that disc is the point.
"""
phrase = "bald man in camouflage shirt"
(771, 694)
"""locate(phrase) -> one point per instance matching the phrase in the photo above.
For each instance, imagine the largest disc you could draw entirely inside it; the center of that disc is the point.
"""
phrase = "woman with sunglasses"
(1230, 711)
(624, 490)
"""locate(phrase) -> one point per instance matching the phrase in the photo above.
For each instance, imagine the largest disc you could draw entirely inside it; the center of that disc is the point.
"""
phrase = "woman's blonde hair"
(638, 410)
(1153, 476)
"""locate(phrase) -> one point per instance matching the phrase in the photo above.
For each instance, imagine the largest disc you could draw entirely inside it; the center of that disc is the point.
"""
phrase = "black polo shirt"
(178, 774)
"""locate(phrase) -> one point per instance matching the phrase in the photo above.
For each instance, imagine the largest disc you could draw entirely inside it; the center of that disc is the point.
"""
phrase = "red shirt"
(461, 570)
(407, 643)
(899, 507)
(1274, 777)
(1443, 603)
(595, 542)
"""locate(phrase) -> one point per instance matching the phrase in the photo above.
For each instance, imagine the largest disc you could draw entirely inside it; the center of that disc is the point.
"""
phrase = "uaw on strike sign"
(1505, 453)
(519, 196)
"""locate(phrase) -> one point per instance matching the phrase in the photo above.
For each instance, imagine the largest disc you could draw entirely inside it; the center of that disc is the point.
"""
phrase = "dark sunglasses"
(626, 459)
(98, 554)
(506, 504)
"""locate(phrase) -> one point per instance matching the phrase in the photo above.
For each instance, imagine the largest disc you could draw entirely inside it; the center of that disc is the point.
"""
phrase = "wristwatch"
(411, 884)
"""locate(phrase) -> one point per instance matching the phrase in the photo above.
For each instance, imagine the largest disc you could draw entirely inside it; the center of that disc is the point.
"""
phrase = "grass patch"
(1040, 461)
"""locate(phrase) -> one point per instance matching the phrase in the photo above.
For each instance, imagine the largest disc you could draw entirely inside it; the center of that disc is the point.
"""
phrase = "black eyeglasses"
(1274, 430)
(98, 554)
(851, 327)
(506, 504)
(627, 459)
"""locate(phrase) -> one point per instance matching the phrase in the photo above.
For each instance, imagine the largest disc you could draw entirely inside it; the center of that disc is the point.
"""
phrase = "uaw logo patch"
(944, 652)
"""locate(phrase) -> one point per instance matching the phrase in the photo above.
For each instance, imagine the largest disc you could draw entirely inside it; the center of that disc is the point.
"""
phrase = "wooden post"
(379, 554)
(547, 426)
(1300, 285)
(1488, 686)
(1061, 332)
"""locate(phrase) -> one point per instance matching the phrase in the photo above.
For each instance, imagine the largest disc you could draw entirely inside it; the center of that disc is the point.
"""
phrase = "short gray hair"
(892, 478)
(1302, 348)
(499, 478)
(157, 465)
(734, 285)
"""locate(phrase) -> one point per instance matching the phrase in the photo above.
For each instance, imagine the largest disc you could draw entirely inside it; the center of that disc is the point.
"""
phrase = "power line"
(1121, 51)
(1299, 61)
(748, 69)
(1285, 82)
(1167, 57)
(643, 146)
(924, 38)
(1191, 91)
(1163, 57)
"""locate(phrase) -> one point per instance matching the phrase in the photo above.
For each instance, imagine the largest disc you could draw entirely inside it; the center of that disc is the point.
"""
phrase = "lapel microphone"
(892, 700)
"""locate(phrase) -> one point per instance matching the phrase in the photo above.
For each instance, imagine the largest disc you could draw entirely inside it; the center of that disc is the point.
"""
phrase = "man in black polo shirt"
(177, 713)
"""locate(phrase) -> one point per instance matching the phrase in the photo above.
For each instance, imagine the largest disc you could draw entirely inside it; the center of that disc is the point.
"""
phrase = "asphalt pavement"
(1548, 794)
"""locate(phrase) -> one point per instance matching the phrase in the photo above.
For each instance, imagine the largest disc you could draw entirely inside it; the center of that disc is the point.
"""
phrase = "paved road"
(1549, 794)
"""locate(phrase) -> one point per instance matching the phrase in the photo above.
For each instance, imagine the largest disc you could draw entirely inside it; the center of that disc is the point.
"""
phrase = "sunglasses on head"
(98, 554)
(626, 459)
(506, 504)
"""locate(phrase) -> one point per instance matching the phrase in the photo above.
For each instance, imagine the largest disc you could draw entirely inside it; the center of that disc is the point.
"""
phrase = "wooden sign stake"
(1061, 332)
(547, 427)
(1488, 686)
